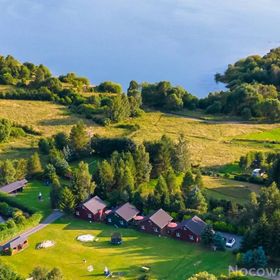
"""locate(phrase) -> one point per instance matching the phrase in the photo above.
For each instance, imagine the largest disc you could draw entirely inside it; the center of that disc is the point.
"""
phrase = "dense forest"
(253, 91)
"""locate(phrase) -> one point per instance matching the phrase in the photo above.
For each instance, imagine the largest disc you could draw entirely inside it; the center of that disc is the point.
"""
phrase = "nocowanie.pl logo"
(269, 272)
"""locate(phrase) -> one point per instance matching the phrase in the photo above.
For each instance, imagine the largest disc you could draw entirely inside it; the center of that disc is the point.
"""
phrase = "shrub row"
(18, 228)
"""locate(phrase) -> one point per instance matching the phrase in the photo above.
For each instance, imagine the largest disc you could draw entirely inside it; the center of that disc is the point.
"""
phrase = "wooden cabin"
(93, 209)
(122, 216)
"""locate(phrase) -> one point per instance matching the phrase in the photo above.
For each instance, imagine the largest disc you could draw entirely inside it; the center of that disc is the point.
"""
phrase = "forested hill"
(254, 85)
(253, 91)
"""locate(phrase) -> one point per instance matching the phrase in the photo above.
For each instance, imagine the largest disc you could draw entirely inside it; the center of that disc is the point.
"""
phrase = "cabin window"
(89, 216)
(143, 227)
(191, 237)
(77, 213)
(109, 220)
(178, 234)
(121, 223)
(155, 229)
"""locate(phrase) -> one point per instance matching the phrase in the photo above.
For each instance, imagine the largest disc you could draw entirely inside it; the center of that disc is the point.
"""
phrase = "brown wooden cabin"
(14, 246)
(155, 223)
(14, 187)
(93, 209)
(187, 230)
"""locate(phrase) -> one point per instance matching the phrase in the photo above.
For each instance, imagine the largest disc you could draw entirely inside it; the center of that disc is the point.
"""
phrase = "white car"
(230, 243)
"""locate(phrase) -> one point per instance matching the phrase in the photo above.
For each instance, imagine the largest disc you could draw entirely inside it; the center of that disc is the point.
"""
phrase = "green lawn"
(272, 135)
(168, 259)
(29, 197)
(236, 191)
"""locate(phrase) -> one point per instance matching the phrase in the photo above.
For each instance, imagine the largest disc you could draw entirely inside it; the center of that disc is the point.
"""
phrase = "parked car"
(230, 243)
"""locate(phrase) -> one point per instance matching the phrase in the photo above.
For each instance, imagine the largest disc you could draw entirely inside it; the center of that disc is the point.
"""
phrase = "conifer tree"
(67, 201)
(142, 165)
(34, 166)
(82, 184)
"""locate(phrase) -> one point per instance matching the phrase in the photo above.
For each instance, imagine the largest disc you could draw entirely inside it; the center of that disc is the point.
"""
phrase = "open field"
(29, 197)
(272, 135)
(168, 259)
(235, 191)
(211, 144)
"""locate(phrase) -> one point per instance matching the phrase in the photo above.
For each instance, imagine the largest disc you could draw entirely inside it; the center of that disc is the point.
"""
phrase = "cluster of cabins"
(159, 222)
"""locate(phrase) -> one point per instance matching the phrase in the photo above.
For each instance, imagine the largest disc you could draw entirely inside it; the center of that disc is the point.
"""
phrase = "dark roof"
(95, 204)
(127, 211)
(160, 218)
(195, 225)
(13, 186)
(15, 242)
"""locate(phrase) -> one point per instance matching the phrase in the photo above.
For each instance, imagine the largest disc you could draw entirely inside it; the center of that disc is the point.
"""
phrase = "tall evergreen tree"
(181, 157)
(82, 184)
(142, 165)
(79, 139)
(34, 166)
(67, 201)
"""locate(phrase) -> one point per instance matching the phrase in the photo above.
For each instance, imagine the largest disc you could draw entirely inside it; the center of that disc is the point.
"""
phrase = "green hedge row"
(12, 232)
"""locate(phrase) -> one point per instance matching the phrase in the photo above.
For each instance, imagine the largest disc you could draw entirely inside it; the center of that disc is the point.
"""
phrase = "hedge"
(28, 223)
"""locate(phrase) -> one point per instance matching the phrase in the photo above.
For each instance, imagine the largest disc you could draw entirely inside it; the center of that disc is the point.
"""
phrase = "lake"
(183, 41)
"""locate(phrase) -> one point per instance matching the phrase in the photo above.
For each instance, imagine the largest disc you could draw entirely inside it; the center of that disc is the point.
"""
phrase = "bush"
(17, 132)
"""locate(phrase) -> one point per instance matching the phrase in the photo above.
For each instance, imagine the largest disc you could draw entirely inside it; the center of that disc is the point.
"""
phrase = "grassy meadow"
(168, 259)
(211, 143)
(236, 191)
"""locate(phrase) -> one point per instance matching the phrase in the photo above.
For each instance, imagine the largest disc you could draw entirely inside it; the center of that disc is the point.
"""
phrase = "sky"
(182, 41)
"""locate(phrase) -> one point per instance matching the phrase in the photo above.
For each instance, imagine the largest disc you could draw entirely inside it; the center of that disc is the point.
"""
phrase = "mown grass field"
(29, 197)
(236, 191)
(168, 259)
(272, 135)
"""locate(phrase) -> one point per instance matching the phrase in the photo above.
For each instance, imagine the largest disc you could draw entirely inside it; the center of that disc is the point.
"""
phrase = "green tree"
(142, 165)
(34, 166)
(79, 139)
(7, 274)
(55, 274)
(207, 235)
(5, 130)
(82, 184)
(7, 172)
(39, 273)
(187, 183)
(181, 158)
(67, 201)
(104, 178)
(219, 242)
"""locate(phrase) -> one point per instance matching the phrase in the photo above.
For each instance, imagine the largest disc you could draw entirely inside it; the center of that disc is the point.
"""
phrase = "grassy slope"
(210, 143)
(169, 259)
(236, 191)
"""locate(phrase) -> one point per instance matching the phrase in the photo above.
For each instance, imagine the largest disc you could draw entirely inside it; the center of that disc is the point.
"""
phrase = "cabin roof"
(15, 242)
(160, 218)
(127, 211)
(195, 225)
(14, 186)
(95, 204)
